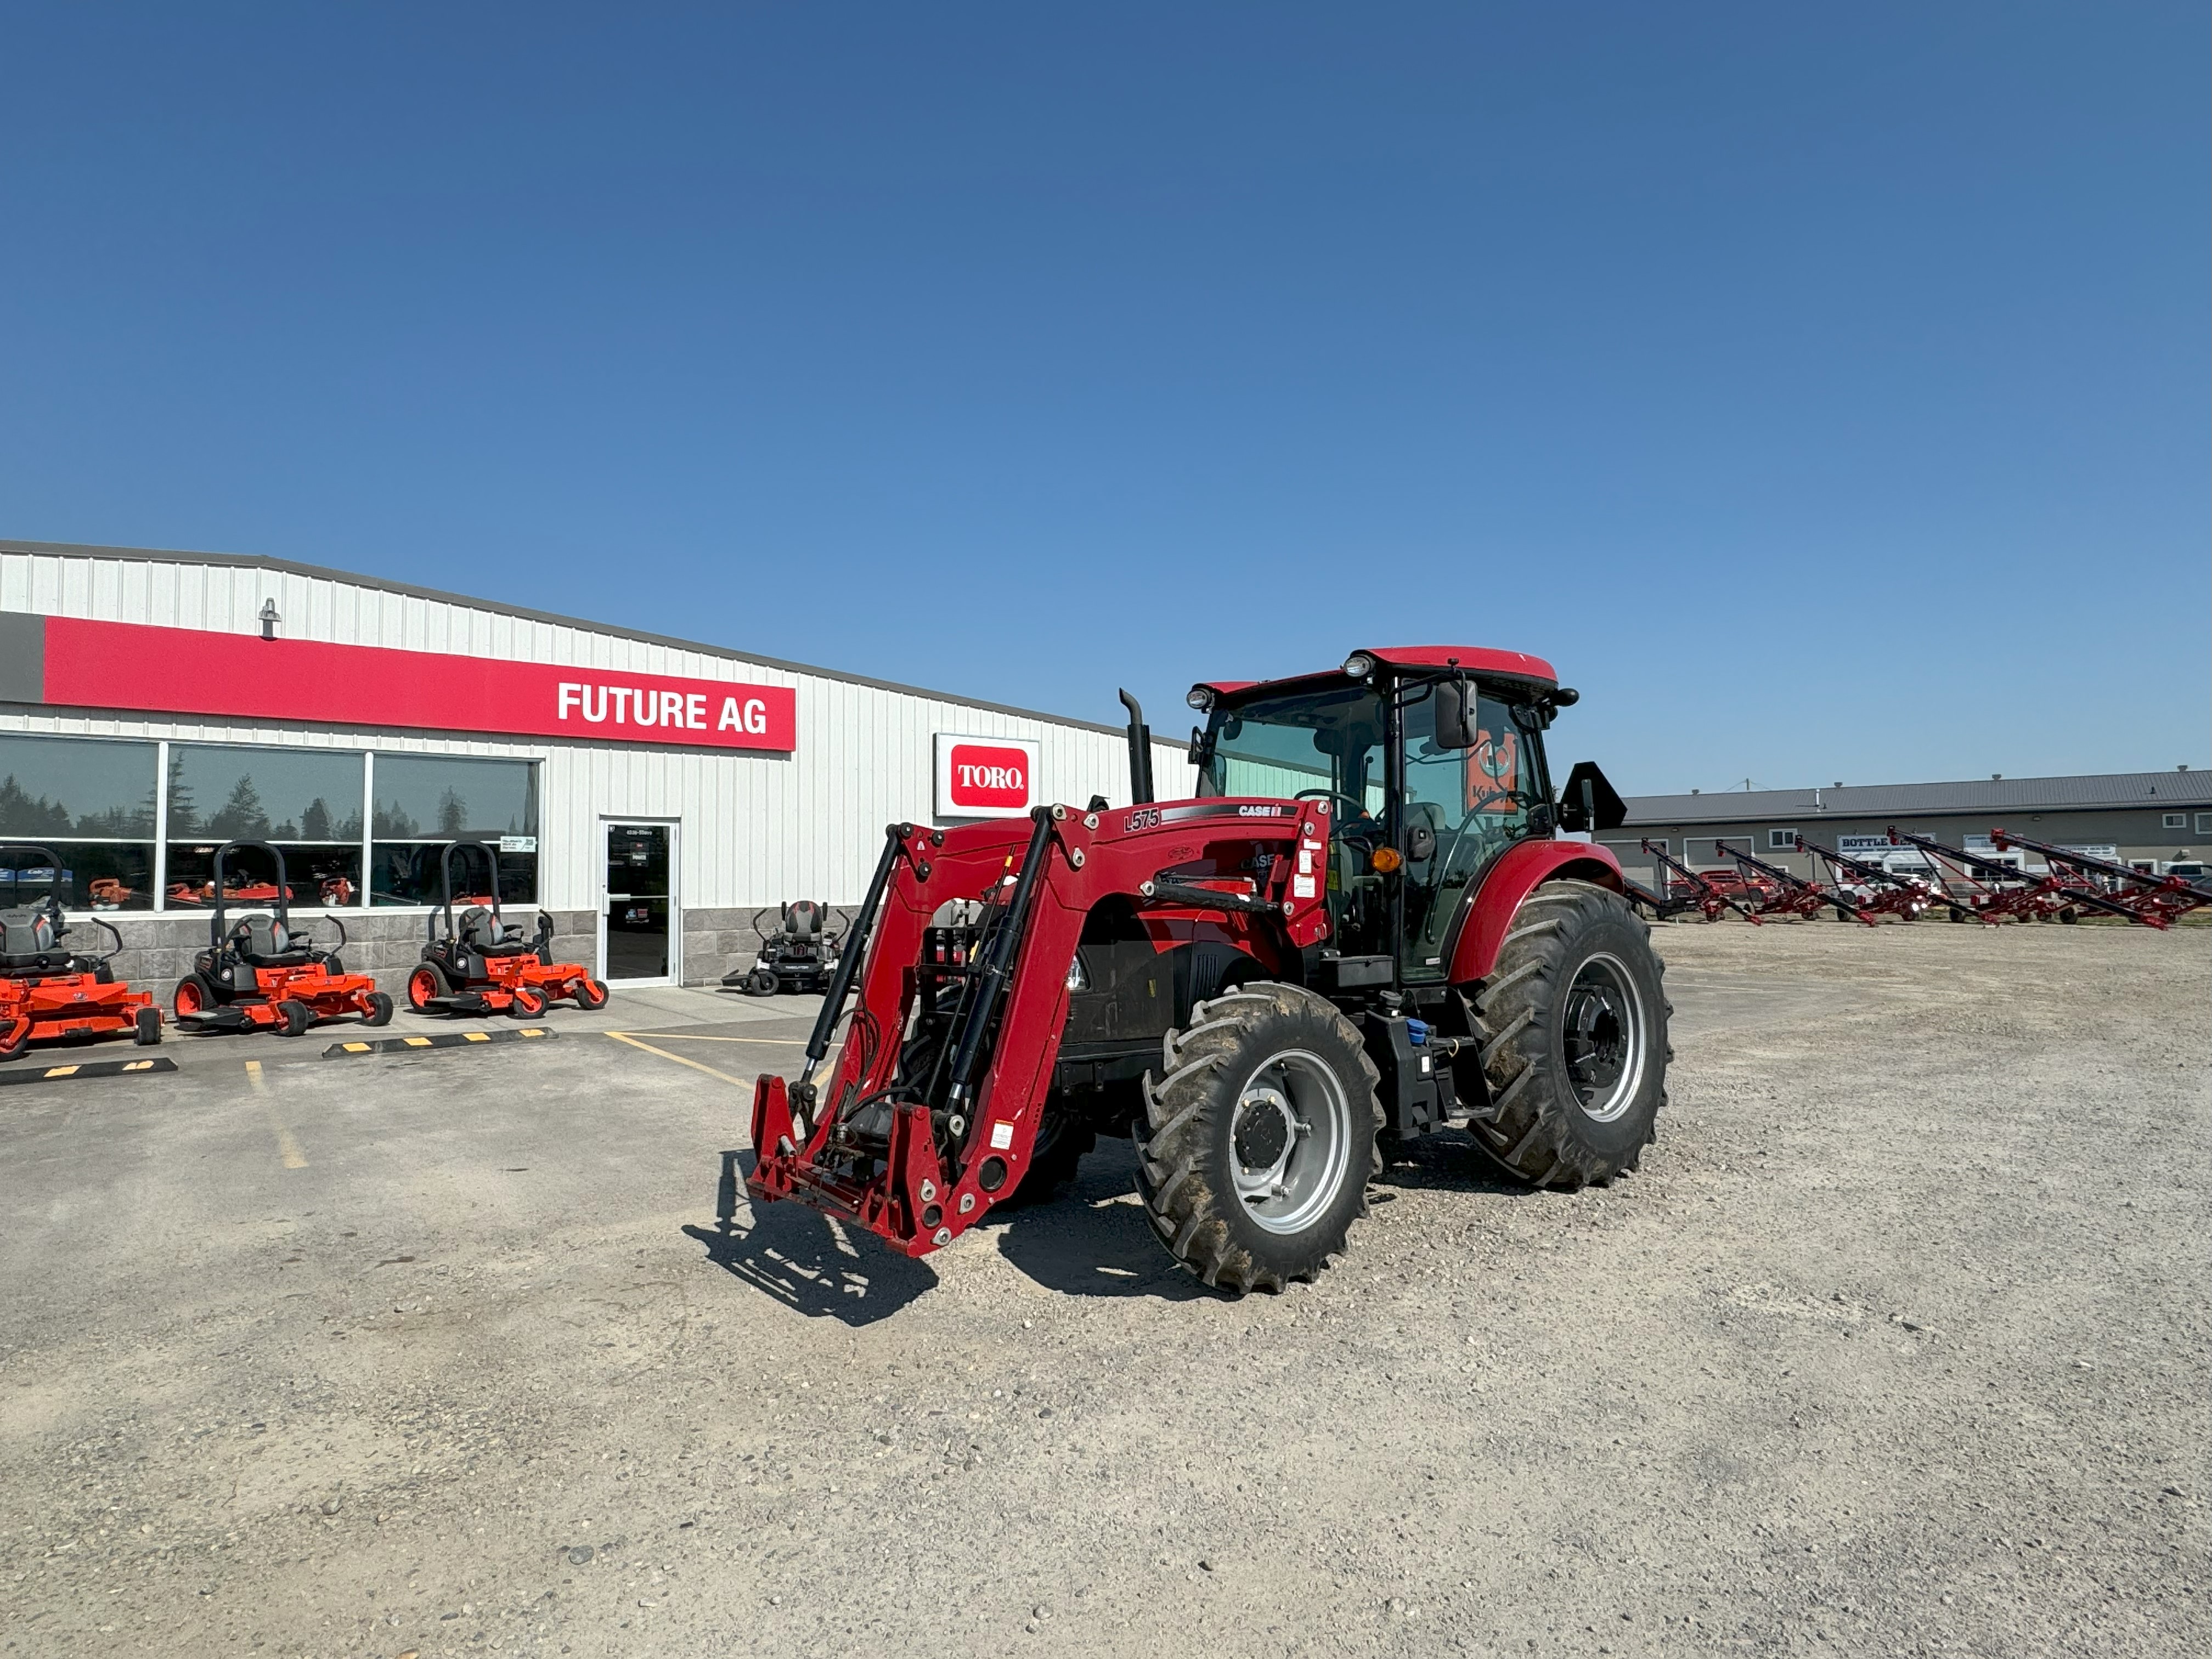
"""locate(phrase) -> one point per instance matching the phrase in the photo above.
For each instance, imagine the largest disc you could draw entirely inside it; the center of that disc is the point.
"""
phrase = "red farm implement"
(481, 965)
(1877, 890)
(2154, 900)
(258, 973)
(1266, 992)
(48, 992)
(1692, 890)
(1993, 890)
(1782, 894)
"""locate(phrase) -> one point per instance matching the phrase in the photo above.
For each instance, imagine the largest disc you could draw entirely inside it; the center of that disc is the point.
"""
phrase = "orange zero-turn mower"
(259, 974)
(47, 992)
(482, 966)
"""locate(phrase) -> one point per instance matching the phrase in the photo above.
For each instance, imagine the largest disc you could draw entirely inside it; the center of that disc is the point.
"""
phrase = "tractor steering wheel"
(1332, 795)
(1446, 854)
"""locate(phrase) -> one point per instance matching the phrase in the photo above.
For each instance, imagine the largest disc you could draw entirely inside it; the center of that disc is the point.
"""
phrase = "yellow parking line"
(416, 1043)
(288, 1149)
(735, 1083)
(686, 1037)
(477, 1036)
(61, 1070)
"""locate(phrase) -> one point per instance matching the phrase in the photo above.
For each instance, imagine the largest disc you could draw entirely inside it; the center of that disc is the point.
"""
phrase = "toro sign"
(985, 777)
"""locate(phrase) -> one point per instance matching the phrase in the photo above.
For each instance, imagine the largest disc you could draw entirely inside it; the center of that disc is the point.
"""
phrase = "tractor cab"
(1432, 758)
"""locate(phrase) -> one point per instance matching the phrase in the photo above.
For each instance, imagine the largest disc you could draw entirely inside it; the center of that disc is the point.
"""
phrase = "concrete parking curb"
(87, 1068)
(404, 1045)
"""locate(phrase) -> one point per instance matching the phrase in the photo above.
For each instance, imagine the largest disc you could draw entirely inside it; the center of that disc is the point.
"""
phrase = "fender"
(1487, 913)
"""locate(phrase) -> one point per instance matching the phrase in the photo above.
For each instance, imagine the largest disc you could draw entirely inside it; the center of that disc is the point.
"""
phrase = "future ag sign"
(985, 777)
(75, 662)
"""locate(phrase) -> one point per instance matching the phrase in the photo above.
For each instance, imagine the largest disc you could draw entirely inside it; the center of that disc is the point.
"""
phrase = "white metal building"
(153, 704)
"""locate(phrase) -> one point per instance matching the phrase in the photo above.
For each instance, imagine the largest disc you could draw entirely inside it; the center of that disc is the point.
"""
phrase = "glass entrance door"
(639, 920)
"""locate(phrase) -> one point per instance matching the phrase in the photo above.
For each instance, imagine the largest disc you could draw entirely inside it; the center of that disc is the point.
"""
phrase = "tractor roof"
(1476, 659)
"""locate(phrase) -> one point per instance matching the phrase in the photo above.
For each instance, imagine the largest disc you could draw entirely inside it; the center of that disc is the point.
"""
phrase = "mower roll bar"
(50, 862)
(444, 906)
(280, 906)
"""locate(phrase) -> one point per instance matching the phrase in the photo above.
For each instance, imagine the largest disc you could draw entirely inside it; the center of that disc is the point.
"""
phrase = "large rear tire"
(1255, 1145)
(1573, 1025)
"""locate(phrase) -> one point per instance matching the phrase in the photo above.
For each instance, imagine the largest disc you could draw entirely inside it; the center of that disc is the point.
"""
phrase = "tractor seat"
(26, 938)
(802, 920)
(484, 935)
(262, 941)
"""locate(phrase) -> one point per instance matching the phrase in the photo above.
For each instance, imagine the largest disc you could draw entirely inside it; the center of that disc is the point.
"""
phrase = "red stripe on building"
(188, 671)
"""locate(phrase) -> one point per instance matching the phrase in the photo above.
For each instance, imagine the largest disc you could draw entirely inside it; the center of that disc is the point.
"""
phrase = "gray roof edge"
(1965, 796)
(326, 573)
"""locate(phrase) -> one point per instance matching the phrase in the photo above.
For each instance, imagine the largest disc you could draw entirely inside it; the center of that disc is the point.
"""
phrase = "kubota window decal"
(1493, 767)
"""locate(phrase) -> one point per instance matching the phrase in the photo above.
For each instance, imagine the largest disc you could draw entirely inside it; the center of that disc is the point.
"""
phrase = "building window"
(2177, 820)
(89, 802)
(306, 802)
(424, 801)
(2204, 824)
(1782, 841)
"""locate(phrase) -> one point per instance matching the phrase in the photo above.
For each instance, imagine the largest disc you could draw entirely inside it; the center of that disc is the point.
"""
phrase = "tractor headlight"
(1200, 698)
(1359, 665)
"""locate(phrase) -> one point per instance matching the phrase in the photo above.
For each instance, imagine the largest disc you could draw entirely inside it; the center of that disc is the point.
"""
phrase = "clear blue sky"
(1824, 389)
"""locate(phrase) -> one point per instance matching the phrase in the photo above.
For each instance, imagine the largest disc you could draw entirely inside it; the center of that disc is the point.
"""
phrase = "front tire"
(1256, 1143)
(427, 984)
(146, 1027)
(1573, 1026)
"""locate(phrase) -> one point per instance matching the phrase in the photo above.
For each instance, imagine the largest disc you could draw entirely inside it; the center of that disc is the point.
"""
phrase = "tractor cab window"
(1326, 744)
(1462, 807)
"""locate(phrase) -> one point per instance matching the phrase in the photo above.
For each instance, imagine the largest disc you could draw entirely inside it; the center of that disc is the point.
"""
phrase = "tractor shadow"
(1449, 1161)
(806, 1261)
(1093, 1239)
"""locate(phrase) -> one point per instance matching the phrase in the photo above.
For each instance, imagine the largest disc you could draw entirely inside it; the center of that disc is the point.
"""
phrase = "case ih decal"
(187, 670)
(985, 777)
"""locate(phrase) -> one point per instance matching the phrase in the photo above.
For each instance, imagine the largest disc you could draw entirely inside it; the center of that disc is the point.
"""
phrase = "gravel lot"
(1897, 1344)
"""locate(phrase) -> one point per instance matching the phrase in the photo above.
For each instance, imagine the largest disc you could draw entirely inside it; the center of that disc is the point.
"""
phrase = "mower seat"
(802, 921)
(27, 939)
(481, 934)
(262, 941)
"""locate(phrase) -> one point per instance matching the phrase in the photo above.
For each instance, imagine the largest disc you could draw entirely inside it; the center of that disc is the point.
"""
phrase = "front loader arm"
(918, 1159)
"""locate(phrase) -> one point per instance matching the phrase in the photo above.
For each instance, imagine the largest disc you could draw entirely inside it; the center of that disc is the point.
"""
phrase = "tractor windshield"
(1328, 743)
(1457, 808)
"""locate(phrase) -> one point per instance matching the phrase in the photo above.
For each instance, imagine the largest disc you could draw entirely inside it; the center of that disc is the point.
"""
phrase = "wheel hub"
(1289, 1138)
(1602, 1036)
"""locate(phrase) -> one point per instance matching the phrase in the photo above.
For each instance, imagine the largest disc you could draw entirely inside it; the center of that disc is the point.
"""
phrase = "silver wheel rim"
(1603, 1031)
(1289, 1141)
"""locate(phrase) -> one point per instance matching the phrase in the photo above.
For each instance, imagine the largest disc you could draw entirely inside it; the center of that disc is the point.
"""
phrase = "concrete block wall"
(722, 941)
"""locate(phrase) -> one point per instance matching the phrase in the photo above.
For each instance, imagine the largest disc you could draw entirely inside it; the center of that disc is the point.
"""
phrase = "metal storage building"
(153, 703)
(2148, 818)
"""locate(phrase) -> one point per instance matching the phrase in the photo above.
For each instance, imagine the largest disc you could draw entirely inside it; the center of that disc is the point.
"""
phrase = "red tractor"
(1363, 928)
(482, 966)
(259, 974)
(48, 992)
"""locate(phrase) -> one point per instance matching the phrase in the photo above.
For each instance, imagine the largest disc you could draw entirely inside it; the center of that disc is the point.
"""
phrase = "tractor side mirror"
(1587, 803)
(1421, 842)
(1454, 713)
